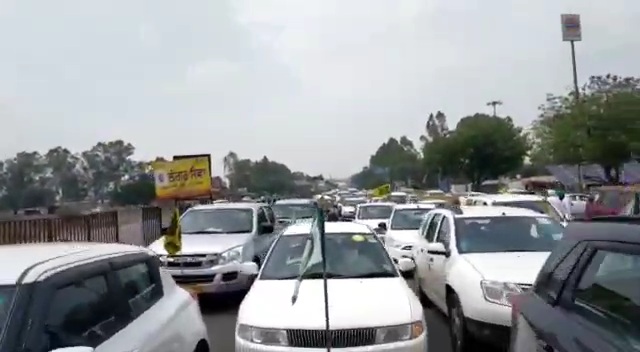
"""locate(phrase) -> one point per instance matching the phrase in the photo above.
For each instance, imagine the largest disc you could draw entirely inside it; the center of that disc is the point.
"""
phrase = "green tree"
(482, 147)
(434, 163)
(68, 180)
(107, 163)
(400, 160)
(138, 191)
(25, 180)
(368, 178)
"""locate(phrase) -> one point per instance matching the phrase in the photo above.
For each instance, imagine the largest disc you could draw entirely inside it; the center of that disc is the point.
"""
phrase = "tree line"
(599, 124)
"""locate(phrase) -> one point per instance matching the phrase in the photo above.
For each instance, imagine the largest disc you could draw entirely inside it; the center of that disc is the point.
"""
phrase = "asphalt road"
(220, 317)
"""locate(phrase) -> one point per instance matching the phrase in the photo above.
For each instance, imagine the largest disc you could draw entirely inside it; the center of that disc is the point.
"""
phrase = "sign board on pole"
(571, 28)
(183, 178)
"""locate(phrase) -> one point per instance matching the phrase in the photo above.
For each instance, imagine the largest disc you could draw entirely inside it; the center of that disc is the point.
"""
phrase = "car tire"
(461, 340)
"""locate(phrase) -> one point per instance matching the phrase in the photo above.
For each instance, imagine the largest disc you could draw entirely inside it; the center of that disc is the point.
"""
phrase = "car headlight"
(231, 255)
(273, 337)
(499, 292)
(389, 334)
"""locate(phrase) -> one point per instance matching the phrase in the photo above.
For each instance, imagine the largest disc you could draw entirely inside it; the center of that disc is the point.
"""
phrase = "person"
(565, 203)
(333, 215)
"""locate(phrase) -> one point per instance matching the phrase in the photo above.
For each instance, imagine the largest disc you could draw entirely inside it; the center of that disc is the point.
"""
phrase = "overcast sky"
(316, 84)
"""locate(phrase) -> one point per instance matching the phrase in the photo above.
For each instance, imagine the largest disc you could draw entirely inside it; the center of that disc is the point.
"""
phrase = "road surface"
(220, 317)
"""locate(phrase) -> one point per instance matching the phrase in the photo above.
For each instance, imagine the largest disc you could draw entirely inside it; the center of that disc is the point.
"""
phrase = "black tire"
(461, 340)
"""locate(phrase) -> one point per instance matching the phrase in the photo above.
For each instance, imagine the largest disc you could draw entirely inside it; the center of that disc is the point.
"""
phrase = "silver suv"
(216, 240)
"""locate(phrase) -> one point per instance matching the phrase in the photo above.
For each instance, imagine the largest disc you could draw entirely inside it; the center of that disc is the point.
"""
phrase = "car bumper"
(416, 345)
(225, 278)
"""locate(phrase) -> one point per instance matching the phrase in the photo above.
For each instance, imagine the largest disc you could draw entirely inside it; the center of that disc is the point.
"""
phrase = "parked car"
(587, 295)
(371, 306)
(471, 260)
(216, 238)
(93, 297)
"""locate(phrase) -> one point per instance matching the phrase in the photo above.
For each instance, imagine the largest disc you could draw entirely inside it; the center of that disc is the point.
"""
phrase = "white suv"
(93, 297)
(470, 261)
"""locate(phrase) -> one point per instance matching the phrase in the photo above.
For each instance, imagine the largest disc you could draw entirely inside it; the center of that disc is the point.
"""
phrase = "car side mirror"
(74, 349)
(406, 265)
(438, 248)
(383, 225)
(266, 228)
(247, 268)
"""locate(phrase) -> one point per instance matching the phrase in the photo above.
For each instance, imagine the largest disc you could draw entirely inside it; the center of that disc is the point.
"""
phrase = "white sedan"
(371, 307)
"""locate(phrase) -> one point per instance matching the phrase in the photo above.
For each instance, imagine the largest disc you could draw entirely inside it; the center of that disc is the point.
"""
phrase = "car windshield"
(408, 219)
(353, 202)
(6, 299)
(539, 206)
(369, 212)
(223, 220)
(349, 255)
(293, 211)
(507, 234)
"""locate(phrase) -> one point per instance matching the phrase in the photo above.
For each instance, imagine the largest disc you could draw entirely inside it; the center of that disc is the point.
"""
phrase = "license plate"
(192, 288)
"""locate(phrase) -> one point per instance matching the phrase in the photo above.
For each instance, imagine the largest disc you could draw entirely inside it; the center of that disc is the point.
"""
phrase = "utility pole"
(572, 33)
(494, 104)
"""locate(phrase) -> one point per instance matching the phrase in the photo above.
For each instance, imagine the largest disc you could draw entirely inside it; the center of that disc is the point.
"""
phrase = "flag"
(312, 254)
(173, 237)
(382, 190)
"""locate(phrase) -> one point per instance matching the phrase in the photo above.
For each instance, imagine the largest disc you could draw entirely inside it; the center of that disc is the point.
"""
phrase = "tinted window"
(407, 219)
(81, 314)
(294, 211)
(140, 290)
(608, 294)
(222, 220)
(370, 212)
(7, 294)
(507, 234)
(432, 227)
(348, 255)
(557, 269)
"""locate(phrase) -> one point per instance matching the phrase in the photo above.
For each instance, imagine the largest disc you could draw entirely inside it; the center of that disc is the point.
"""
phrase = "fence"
(95, 227)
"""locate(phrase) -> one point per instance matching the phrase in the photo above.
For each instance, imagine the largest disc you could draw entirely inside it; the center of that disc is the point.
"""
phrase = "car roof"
(607, 228)
(329, 228)
(234, 205)
(377, 204)
(415, 206)
(508, 197)
(25, 263)
(296, 201)
(484, 212)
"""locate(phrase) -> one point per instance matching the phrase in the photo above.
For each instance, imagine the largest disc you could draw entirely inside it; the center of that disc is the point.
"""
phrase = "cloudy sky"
(316, 84)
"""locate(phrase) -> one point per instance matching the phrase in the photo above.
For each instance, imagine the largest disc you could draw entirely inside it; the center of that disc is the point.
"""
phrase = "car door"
(438, 262)
(79, 306)
(428, 277)
(420, 248)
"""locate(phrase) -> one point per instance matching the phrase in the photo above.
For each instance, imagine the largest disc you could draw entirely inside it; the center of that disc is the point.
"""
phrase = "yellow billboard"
(182, 178)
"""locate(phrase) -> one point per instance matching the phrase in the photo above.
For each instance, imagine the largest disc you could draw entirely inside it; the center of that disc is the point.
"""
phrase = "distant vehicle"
(614, 200)
(471, 260)
(398, 197)
(361, 276)
(403, 229)
(586, 295)
(216, 238)
(288, 210)
(372, 214)
(93, 297)
(347, 207)
(533, 202)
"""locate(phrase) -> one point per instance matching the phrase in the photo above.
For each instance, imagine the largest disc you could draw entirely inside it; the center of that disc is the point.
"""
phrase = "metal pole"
(574, 67)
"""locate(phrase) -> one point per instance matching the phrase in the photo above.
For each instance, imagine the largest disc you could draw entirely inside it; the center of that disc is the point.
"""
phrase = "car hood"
(373, 223)
(514, 267)
(351, 304)
(204, 243)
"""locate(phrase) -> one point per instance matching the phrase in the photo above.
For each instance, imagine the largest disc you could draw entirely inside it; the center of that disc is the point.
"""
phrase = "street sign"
(571, 28)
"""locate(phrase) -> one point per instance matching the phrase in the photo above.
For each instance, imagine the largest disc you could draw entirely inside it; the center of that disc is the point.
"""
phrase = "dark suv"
(587, 294)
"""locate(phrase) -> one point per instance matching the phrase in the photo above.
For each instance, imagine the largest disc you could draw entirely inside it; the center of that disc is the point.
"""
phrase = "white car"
(403, 229)
(529, 201)
(372, 214)
(93, 297)
(471, 260)
(371, 307)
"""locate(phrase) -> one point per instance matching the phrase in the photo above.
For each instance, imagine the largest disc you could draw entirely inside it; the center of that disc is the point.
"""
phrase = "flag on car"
(173, 237)
(382, 191)
(313, 253)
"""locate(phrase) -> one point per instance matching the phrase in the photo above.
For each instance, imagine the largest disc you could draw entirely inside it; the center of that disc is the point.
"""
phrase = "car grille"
(339, 338)
(193, 279)
(189, 261)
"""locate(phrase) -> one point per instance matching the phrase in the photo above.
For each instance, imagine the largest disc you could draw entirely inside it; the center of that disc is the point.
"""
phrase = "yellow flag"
(382, 190)
(173, 238)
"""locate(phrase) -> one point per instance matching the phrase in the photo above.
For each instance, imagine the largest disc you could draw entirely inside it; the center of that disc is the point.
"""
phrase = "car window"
(370, 212)
(608, 294)
(7, 293)
(444, 232)
(557, 269)
(348, 255)
(217, 220)
(432, 227)
(294, 211)
(408, 219)
(539, 206)
(425, 225)
(507, 234)
(81, 314)
(140, 289)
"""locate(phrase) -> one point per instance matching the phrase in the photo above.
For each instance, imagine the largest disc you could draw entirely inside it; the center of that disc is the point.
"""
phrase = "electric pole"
(494, 104)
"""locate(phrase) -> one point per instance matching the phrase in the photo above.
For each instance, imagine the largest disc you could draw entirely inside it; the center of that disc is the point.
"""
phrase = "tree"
(139, 191)
(482, 147)
(368, 178)
(434, 163)
(602, 127)
(107, 164)
(398, 159)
